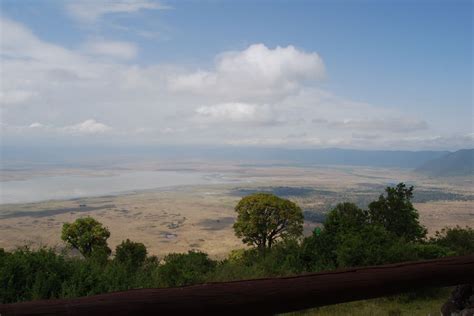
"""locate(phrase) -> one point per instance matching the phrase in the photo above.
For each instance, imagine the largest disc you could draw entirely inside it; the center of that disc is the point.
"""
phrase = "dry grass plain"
(181, 218)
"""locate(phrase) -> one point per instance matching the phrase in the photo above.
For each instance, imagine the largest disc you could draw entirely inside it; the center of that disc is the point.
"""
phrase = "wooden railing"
(263, 296)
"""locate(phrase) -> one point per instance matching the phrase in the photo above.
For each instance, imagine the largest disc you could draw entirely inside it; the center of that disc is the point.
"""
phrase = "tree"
(458, 239)
(32, 274)
(185, 268)
(264, 218)
(130, 253)
(319, 251)
(396, 213)
(371, 245)
(345, 217)
(87, 235)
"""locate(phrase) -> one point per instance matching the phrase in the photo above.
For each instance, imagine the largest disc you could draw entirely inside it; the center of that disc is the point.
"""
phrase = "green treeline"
(388, 231)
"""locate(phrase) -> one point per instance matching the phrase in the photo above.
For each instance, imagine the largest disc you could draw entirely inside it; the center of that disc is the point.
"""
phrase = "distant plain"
(178, 218)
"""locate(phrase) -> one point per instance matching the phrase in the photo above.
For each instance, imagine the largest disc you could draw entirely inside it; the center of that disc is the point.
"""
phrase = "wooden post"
(263, 296)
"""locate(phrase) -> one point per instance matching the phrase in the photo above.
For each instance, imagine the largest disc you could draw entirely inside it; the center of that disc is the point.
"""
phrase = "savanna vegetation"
(388, 231)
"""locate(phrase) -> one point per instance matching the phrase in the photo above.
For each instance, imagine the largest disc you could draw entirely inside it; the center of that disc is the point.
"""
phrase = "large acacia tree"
(86, 235)
(264, 218)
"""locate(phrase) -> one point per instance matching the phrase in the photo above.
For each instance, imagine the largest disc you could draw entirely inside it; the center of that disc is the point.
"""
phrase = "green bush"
(458, 239)
(181, 269)
(369, 246)
(132, 254)
(228, 270)
(27, 275)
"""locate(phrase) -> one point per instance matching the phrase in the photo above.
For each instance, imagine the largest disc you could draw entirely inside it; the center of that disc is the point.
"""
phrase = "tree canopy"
(86, 235)
(345, 217)
(264, 218)
(131, 253)
(395, 212)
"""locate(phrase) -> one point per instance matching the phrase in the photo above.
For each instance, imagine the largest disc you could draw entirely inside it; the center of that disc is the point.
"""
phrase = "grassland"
(177, 219)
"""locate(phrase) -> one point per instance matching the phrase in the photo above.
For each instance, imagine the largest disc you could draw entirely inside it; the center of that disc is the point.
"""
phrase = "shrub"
(132, 254)
(458, 239)
(185, 268)
(27, 275)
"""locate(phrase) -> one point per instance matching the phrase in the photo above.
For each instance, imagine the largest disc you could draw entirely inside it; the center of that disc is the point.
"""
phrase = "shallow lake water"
(76, 186)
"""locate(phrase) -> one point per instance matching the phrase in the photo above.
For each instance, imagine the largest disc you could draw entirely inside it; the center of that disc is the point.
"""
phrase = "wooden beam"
(263, 296)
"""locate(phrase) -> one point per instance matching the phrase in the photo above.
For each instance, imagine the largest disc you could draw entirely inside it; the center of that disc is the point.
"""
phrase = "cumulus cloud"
(90, 126)
(114, 49)
(89, 11)
(259, 95)
(257, 71)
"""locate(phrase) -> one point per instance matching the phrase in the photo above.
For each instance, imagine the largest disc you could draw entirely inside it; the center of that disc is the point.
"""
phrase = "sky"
(292, 74)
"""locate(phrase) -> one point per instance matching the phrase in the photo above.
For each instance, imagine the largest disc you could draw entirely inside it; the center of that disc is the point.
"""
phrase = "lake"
(76, 186)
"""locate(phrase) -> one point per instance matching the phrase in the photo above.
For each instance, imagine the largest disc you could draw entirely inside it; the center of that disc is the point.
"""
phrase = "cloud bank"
(258, 95)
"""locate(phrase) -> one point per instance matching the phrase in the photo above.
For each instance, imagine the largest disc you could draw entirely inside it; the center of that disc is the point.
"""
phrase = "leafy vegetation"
(264, 218)
(132, 254)
(396, 213)
(460, 240)
(387, 232)
(86, 235)
(182, 269)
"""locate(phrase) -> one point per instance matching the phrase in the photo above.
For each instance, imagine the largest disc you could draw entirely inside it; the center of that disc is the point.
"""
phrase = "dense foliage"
(132, 254)
(86, 235)
(349, 237)
(396, 213)
(263, 218)
(461, 240)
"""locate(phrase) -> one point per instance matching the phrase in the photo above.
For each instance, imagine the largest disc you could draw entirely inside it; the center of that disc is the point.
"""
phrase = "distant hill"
(458, 163)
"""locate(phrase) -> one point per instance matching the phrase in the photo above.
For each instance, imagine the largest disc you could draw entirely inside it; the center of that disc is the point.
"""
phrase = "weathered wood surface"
(262, 296)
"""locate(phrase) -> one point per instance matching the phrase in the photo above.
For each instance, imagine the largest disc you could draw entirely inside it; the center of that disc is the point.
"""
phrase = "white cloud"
(114, 49)
(36, 125)
(395, 125)
(257, 71)
(256, 96)
(90, 126)
(91, 10)
(236, 112)
(19, 43)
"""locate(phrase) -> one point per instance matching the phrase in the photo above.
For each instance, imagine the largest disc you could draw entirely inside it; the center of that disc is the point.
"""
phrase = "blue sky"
(381, 74)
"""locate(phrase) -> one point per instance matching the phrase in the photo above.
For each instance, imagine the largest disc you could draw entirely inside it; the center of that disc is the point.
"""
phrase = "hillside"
(458, 163)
